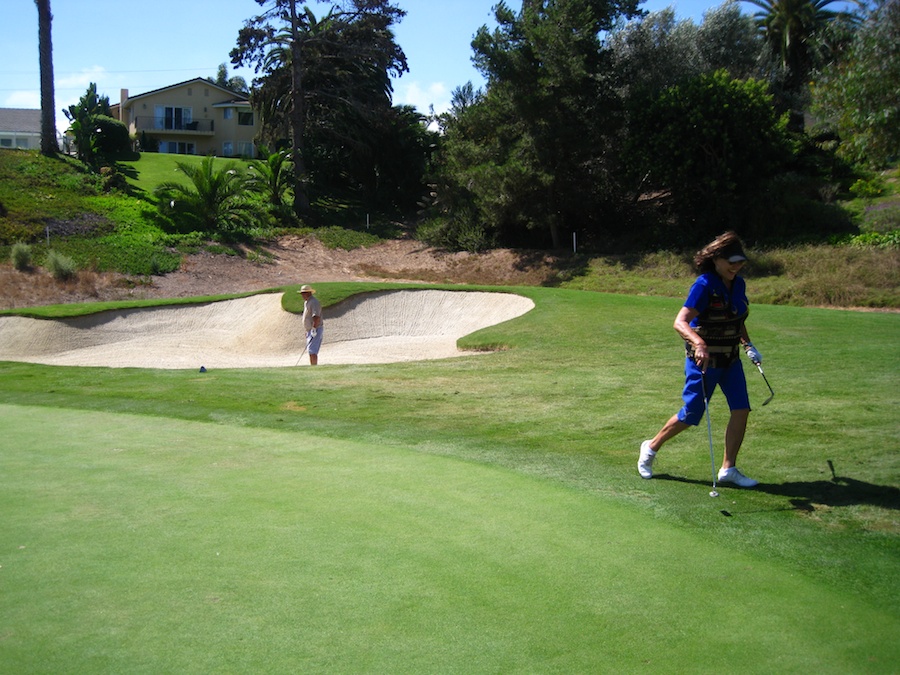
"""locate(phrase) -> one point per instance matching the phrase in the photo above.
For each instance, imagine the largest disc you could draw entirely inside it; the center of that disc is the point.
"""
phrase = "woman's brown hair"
(703, 259)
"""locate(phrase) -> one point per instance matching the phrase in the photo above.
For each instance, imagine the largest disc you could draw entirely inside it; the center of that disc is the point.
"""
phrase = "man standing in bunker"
(312, 323)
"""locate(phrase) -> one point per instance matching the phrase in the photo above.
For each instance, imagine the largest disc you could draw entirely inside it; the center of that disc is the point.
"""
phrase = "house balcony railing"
(169, 125)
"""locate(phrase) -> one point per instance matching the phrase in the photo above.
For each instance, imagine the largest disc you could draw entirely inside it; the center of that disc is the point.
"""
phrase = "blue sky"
(146, 45)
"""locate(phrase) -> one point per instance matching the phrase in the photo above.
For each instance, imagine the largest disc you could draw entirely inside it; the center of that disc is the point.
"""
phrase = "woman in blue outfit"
(712, 325)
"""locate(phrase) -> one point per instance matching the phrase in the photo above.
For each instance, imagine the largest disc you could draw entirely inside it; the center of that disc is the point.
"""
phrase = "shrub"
(112, 179)
(867, 189)
(214, 200)
(220, 249)
(20, 255)
(882, 218)
(112, 139)
(871, 240)
(473, 237)
(455, 234)
(340, 237)
(149, 143)
(189, 242)
(785, 212)
(62, 267)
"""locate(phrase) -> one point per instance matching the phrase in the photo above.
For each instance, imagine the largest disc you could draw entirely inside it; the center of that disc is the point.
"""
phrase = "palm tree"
(213, 202)
(49, 144)
(272, 178)
(302, 57)
(795, 32)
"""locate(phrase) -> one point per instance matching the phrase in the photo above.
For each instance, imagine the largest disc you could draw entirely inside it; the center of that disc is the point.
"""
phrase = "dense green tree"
(858, 95)
(658, 51)
(215, 200)
(654, 52)
(237, 84)
(323, 77)
(483, 187)
(49, 144)
(534, 150)
(728, 39)
(541, 150)
(713, 141)
(399, 155)
(274, 41)
(795, 31)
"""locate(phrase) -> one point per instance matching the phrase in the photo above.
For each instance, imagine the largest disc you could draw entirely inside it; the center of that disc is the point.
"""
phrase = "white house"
(196, 117)
(20, 128)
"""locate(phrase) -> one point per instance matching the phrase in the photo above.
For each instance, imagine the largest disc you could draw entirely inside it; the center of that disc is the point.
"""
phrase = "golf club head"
(766, 380)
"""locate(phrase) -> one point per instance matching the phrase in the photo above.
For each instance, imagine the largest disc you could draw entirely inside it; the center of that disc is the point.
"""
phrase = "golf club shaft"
(712, 455)
(766, 380)
(301, 356)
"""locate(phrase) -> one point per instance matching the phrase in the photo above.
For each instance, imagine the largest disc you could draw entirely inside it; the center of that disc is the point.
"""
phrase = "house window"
(170, 117)
(176, 148)
(228, 149)
(245, 149)
(5, 142)
(228, 113)
(245, 119)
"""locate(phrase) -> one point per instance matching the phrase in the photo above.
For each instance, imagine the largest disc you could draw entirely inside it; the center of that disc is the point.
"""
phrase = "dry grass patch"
(37, 286)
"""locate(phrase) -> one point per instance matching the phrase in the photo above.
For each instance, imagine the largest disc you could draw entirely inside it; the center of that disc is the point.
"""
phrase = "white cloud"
(82, 79)
(23, 99)
(72, 87)
(67, 91)
(423, 97)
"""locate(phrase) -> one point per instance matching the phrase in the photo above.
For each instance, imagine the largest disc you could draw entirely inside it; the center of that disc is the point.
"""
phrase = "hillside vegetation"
(110, 223)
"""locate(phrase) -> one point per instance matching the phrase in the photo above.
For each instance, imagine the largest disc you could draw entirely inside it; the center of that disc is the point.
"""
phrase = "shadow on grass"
(803, 495)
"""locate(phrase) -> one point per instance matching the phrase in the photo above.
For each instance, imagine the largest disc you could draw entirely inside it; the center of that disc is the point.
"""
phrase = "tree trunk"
(49, 144)
(555, 236)
(298, 117)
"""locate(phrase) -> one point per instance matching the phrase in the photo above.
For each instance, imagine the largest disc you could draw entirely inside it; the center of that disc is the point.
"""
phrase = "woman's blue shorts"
(730, 380)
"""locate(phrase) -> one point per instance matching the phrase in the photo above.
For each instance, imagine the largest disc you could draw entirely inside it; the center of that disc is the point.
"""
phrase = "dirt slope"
(290, 260)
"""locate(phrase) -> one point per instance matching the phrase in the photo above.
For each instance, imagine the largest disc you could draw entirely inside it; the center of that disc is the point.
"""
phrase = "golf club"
(301, 356)
(771, 391)
(712, 456)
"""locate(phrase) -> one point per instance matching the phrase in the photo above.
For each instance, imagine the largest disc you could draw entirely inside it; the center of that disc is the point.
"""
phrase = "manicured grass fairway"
(169, 546)
(467, 515)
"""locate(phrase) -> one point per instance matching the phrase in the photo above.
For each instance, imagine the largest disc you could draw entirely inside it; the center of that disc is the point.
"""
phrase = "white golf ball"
(713, 493)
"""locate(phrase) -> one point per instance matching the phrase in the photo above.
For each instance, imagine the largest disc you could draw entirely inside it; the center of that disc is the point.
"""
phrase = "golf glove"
(314, 332)
(753, 353)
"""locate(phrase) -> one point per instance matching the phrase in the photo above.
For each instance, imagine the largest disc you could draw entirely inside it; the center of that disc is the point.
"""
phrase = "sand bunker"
(255, 332)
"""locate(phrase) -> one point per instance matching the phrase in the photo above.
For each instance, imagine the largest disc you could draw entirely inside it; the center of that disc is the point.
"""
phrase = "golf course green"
(476, 514)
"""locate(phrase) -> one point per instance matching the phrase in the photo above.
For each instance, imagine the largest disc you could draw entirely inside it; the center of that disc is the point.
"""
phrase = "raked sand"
(255, 332)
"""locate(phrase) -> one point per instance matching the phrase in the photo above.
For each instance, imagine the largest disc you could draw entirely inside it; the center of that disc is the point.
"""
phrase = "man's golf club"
(301, 356)
(771, 391)
(712, 456)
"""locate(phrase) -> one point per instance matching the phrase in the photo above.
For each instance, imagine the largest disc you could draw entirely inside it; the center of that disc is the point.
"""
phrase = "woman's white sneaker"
(732, 475)
(645, 461)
